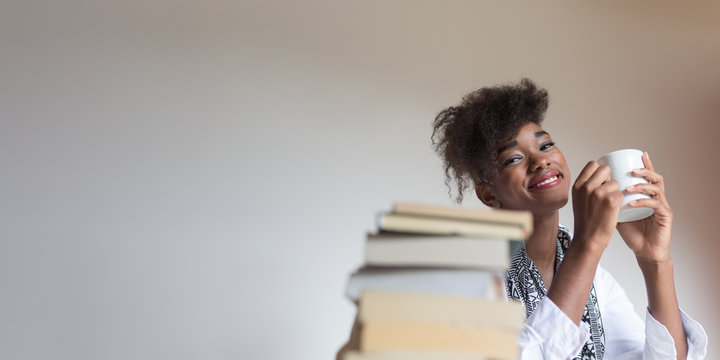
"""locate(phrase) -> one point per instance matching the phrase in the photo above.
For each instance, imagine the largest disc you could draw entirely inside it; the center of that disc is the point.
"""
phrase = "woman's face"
(532, 173)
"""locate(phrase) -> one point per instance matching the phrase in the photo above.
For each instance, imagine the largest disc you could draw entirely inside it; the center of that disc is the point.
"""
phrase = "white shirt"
(550, 334)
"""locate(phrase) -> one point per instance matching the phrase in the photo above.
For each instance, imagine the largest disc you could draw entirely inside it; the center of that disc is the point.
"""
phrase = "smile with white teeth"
(546, 181)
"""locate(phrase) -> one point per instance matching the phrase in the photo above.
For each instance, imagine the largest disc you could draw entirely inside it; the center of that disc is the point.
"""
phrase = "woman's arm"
(596, 203)
(649, 239)
(662, 301)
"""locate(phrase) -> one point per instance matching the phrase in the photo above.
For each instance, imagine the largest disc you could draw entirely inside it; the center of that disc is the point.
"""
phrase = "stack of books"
(432, 285)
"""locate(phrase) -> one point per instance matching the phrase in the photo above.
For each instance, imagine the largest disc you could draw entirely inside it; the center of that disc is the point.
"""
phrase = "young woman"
(492, 142)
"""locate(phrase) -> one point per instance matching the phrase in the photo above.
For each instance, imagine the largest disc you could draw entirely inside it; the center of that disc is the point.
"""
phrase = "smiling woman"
(467, 135)
(531, 174)
(575, 309)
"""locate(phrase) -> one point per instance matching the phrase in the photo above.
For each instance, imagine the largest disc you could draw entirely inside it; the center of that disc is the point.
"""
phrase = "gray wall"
(194, 179)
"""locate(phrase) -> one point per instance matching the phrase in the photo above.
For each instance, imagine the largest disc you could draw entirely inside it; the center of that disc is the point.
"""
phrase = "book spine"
(429, 225)
(480, 253)
(521, 218)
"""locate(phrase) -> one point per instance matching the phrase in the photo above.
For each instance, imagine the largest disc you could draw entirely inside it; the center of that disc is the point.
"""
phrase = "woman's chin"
(550, 207)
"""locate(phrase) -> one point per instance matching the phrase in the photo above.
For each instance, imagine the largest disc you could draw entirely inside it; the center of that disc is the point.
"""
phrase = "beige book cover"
(396, 336)
(380, 306)
(447, 226)
(412, 355)
(522, 219)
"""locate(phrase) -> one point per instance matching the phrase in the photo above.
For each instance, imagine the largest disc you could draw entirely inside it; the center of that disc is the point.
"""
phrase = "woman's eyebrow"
(514, 142)
(509, 145)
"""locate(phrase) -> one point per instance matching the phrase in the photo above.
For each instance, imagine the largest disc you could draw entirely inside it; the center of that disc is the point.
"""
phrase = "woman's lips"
(546, 181)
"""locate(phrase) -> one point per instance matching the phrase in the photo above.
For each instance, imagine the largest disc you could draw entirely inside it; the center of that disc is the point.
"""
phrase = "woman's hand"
(649, 238)
(596, 204)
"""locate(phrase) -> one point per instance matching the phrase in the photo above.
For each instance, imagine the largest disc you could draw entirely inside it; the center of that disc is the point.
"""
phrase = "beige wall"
(193, 180)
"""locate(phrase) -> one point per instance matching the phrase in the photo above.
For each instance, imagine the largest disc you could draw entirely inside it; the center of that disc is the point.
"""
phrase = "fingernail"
(631, 187)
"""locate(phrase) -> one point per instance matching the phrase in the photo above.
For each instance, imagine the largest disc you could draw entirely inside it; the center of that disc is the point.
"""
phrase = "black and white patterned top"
(524, 283)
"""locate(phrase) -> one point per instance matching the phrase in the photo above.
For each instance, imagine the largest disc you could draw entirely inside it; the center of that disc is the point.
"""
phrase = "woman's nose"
(540, 163)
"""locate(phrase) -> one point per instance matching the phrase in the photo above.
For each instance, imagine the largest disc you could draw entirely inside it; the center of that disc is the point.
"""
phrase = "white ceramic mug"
(622, 163)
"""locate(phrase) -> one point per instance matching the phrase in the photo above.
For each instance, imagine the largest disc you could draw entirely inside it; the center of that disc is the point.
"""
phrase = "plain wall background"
(194, 179)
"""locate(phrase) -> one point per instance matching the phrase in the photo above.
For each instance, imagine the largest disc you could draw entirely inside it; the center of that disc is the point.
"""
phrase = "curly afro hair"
(468, 135)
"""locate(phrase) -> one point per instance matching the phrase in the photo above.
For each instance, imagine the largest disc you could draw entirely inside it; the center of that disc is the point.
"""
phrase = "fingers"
(586, 172)
(595, 183)
(596, 203)
(649, 173)
(653, 190)
(662, 211)
(593, 175)
(651, 176)
(657, 201)
(653, 203)
(647, 162)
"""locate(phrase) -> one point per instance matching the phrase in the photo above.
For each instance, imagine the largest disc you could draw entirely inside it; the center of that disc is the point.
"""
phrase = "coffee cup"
(622, 163)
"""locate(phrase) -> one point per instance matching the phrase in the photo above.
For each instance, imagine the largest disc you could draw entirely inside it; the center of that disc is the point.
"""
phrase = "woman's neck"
(541, 245)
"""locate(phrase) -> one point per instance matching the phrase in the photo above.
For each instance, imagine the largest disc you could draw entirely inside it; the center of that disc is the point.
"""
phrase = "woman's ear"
(486, 194)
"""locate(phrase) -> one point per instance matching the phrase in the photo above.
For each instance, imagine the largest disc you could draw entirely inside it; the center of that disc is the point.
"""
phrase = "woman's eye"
(511, 160)
(547, 145)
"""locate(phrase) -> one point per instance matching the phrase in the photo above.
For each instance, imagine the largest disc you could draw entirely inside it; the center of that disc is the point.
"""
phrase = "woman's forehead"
(528, 131)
